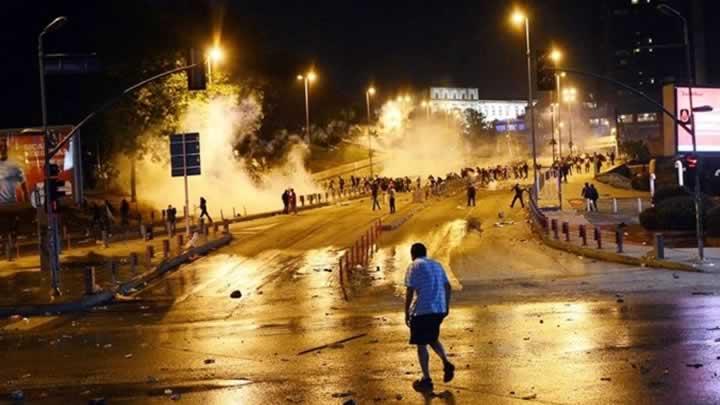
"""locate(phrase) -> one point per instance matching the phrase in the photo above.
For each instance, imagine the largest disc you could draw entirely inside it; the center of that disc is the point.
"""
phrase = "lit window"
(650, 50)
(636, 50)
(652, 80)
(647, 117)
(634, 1)
(649, 40)
(626, 118)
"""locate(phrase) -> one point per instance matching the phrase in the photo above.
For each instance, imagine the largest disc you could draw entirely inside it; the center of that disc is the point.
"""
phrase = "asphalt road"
(528, 323)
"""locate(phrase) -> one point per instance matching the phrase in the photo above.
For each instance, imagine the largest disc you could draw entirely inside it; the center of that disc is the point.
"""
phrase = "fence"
(359, 254)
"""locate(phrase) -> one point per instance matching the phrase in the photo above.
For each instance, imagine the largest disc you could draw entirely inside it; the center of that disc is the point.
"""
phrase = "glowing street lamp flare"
(216, 54)
(311, 76)
(518, 17)
(371, 91)
(556, 55)
(407, 99)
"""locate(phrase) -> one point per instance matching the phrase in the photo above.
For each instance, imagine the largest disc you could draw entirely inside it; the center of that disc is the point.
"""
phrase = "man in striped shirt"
(427, 303)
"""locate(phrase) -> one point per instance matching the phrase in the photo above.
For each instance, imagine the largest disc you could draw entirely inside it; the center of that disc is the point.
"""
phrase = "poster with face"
(705, 120)
(21, 163)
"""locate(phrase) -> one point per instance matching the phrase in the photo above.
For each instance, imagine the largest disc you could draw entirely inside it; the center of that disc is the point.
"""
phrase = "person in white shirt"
(427, 304)
(11, 176)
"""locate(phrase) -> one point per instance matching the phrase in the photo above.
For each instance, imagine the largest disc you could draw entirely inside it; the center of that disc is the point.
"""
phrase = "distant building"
(461, 99)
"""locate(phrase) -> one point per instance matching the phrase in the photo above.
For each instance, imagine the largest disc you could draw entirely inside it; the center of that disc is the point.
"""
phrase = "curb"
(107, 296)
(609, 256)
(171, 264)
(391, 226)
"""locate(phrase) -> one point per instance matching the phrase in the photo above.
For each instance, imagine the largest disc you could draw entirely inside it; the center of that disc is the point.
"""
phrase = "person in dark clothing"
(171, 218)
(286, 201)
(391, 199)
(594, 196)
(124, 213)
(375, 188)
(518, 196)
(471, 192)
(203, 209)
(612, 158)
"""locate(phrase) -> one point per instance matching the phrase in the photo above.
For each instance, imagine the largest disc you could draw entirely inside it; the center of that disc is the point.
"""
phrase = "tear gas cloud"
(225, 183)
(412, 144)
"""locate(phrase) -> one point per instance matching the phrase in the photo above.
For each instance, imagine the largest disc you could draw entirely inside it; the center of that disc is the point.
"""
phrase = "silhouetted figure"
(518, 196)
(203, 209)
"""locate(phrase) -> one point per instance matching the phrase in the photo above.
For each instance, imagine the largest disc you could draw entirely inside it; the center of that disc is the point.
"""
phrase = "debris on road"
(676, 276)
(235, 294)
(605, 379)
(333, 344)
(175, 396)
(342, 394)
(349, 402)
(129, 356)
(703, 293)
(209, 361)
(694, 365)
(529, 397)
(167, 391)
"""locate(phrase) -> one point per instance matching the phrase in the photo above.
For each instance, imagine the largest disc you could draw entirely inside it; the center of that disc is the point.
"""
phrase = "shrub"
(648, 219)
(664, 193)
(678, 213)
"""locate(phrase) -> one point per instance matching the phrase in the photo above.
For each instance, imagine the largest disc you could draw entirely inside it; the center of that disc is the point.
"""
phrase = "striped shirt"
(428, 278)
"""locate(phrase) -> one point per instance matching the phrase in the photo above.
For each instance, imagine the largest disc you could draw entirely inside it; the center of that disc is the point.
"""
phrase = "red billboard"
(706, 120)
(21, 163)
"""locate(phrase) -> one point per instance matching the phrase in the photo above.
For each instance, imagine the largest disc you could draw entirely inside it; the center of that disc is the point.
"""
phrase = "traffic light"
(196, 75)
(545, 75)
(691, 161)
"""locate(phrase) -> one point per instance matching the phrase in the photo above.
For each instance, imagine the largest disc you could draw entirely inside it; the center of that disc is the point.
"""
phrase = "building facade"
(460, 99)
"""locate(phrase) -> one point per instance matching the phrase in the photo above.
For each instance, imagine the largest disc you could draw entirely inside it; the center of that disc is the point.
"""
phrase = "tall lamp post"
(519, 18)
(308, 78)
(667, 10)
(51, 241)
(569, 97)
(215, 55)
(368, 94)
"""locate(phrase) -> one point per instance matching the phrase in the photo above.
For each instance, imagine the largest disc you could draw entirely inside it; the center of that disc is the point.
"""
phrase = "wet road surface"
(528, 324)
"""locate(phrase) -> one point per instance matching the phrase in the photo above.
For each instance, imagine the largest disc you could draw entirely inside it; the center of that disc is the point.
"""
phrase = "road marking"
(27, 324)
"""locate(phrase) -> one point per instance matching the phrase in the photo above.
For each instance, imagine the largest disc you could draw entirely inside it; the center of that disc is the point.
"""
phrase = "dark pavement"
(529, 324)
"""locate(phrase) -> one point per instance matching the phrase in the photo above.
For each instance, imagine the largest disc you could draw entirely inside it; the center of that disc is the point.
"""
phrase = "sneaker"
(449, 372)
(423, 385)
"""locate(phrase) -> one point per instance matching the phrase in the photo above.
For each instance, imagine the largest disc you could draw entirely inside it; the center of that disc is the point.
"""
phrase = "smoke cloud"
(225, 183)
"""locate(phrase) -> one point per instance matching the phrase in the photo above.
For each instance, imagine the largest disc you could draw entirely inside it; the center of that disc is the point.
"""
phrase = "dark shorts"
(425, 329)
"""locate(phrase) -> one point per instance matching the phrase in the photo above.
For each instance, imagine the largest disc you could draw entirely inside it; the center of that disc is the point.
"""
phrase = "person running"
(518, 196)
(427, 304)
(375, 189)
(203, 209)
(391, 199)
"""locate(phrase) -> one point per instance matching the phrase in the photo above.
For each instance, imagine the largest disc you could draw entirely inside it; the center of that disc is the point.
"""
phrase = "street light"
(569, 97)
(51, 240)
(214, 56)
(519, 18)
(369, 93)
(308, 78)
(669, 11)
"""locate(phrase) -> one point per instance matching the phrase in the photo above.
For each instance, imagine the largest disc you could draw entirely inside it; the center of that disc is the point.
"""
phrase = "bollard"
(106, 242)
(180, 241)
(302, 200)
(659, 246)
(615, 206)
(89, 280)
(226, 226)
(222, 217)
(133, 262)
(149, 253)
(143, 231)
(598, 237)
(216, 228)
(619, 240)
(202, 226)
(566, 231)
(639, 203)
(553, 225)
(327, 197)
(113, 270)
(166, 248)
(234, 215)
(583, 234)
(8, 249)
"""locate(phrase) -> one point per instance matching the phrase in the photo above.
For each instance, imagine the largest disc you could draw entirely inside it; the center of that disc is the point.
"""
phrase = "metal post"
(619, 240)
(187, 197)
(659, 246)
(307, 110)
(367, 100)
(583, 235)
(54, 259)
(615, 206)
(531, 107)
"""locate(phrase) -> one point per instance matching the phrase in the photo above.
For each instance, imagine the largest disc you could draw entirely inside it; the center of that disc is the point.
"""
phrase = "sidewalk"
(563, 229)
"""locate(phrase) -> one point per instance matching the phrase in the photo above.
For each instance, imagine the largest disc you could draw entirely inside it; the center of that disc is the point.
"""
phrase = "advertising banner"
(706, 103)
(22, 163)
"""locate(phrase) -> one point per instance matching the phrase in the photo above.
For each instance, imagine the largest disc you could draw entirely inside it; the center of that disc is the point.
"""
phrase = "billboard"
(21, 163)
(706, 104)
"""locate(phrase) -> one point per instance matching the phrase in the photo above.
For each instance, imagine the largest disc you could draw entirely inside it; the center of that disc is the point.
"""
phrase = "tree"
(636, 150)
(475, 125)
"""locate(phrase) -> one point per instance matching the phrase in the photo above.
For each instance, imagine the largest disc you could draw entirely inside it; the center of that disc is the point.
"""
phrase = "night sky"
(398, 46)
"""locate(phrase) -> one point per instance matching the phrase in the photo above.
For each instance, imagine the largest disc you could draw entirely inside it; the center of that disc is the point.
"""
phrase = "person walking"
(292, 198)
(518, 195)
(203, 209)
(427, 304)
(170, 216)
(594, 196)
(471, 192)
(124, 213)
(286, 201)
(391, 199)
(375, 189)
